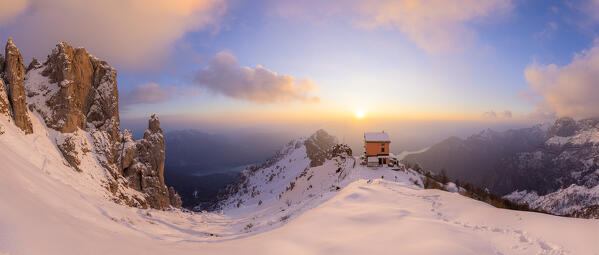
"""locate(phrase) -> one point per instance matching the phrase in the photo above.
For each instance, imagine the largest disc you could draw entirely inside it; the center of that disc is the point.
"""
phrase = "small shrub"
(291, 186)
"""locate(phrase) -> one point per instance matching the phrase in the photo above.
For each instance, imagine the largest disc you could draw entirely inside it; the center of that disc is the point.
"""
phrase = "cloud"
(224, 75)
(149, 93)
(436, 26)
(494, 115)
(10, 9)
(132, 34)
(571, 90)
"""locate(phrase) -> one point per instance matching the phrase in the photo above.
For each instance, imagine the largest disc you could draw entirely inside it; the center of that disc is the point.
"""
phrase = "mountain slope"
(566, 168)
(556, 170)
(266, 182)
(50, 209)
(72, 98)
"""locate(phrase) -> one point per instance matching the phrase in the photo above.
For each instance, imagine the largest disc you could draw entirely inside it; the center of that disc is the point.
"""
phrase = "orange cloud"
(224, 75)
(11, 9)
(131, 34)
(569, 90)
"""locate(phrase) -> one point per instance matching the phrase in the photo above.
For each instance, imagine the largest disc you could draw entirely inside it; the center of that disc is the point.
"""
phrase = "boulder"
(14, 76)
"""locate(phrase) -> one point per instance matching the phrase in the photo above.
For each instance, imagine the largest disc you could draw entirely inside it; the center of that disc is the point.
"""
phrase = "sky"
(432, 67)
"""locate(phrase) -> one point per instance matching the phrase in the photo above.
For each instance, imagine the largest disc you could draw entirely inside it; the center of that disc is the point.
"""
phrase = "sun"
(360, 113)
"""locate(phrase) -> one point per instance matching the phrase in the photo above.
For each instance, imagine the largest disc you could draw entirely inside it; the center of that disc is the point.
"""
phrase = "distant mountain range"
(552, 168)
(476, 158)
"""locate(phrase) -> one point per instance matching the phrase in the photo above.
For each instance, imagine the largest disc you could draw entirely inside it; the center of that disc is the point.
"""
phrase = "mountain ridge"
(75, 96)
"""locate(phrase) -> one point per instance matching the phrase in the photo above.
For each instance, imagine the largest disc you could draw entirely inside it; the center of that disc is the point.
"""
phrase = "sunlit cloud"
(569, 90)
(11, 9)
(225, 76)
(130, 34)
(436, 26)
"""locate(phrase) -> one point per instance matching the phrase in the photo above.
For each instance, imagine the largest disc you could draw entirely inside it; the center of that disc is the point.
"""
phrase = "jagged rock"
(81, 94)
(14, 74)
(33, 65)
(129, 150)
(4, 103)
(145, 171)
(317, 144)
(67, 148)
(87, 91)
(174, 198)
(76, 94)
(1, 63)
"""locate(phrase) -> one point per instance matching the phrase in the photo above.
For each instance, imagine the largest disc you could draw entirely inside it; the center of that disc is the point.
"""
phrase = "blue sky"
(383, 64)
(308, 63)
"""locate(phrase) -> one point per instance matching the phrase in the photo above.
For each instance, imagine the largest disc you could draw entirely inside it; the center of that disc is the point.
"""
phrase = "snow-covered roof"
(376, 137)
(373, 159)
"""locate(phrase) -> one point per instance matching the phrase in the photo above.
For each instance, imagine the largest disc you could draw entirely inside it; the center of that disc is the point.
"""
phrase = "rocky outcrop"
(317, 145)
(144, 166)
(4, 103)
(33, 65)
(76, 94)
(87, 93)
(14, 76)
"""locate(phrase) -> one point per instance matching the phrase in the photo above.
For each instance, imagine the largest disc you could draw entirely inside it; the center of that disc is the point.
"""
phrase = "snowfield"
(48, 208)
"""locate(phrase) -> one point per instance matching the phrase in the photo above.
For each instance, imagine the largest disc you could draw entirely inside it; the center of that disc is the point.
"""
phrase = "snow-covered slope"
(577, 201)
(47, 208)
(265, 183)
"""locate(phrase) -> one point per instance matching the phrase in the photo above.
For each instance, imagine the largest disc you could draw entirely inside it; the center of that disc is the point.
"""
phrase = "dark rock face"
(563, 127)
(554, 164)
(14, 75)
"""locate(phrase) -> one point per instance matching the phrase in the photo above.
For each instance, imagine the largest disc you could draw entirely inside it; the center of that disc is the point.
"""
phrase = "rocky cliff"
(13, 74)
(75, 95)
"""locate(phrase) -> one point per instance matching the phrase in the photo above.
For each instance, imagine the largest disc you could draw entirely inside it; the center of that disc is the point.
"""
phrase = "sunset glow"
(360, 113)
